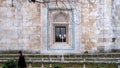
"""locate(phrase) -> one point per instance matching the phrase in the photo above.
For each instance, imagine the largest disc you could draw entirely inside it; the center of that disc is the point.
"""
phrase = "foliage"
(10, 64)
(58, 66)
(101, 66)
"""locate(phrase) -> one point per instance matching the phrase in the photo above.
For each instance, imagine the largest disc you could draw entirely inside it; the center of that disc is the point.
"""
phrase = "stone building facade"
(66, 26)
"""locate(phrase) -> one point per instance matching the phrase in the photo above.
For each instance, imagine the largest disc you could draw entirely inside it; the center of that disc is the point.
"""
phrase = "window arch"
(60, 17)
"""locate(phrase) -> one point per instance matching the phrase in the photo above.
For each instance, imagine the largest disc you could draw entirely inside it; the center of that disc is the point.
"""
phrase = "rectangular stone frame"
(73, 28)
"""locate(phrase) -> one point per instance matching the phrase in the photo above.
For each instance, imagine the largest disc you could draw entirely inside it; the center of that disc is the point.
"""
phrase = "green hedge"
(10, 64)
(57, 66)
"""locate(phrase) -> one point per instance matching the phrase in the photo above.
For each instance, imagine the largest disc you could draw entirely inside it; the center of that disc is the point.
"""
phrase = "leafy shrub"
(101, 67)
(10, 64)
(58, 66)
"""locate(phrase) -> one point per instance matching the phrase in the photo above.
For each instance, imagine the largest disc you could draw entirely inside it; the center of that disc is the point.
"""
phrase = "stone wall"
(19, 25)
(116, 22)
(23, 25)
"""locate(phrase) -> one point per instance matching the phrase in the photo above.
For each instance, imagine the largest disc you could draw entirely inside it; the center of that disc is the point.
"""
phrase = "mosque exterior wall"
(60, 28)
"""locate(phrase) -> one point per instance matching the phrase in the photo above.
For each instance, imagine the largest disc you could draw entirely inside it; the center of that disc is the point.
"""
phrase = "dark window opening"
(60, 33)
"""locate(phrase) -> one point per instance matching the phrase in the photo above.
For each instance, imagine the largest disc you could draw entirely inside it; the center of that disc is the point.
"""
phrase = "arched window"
(60, 29)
